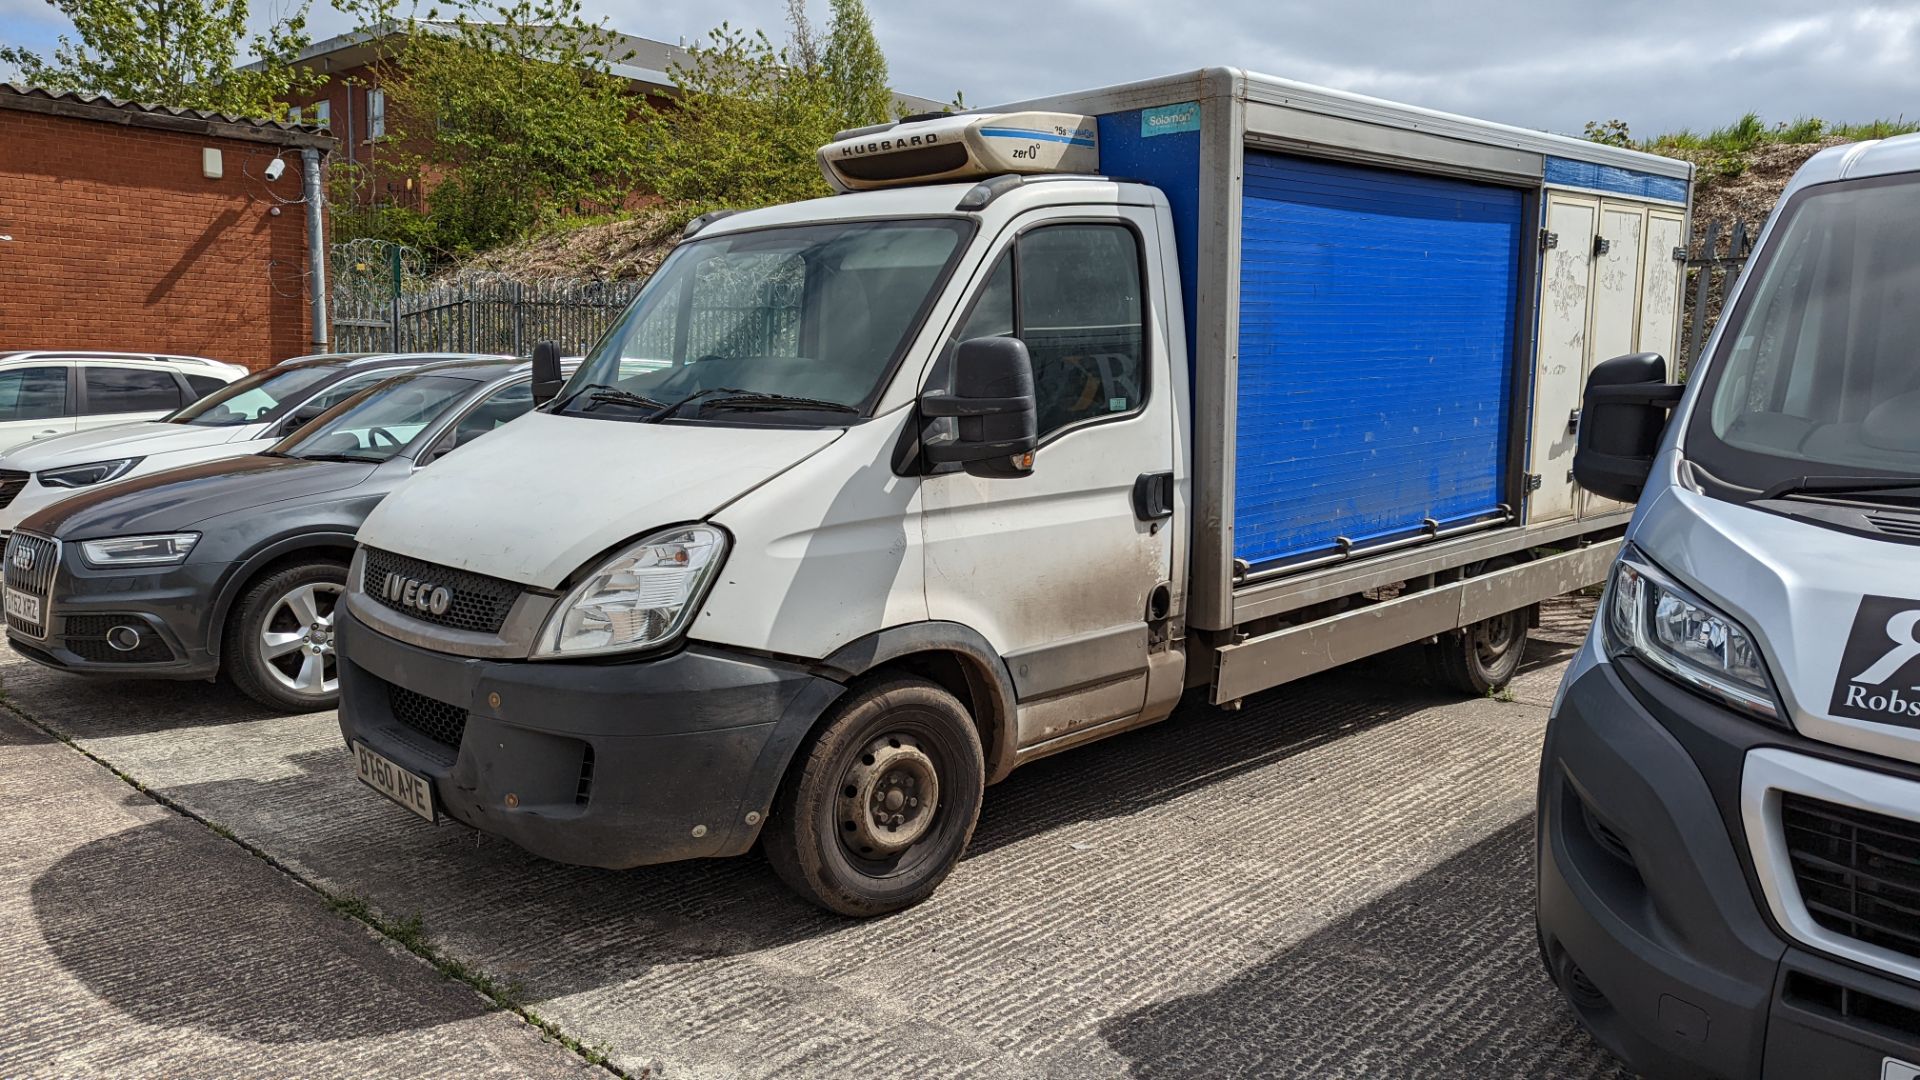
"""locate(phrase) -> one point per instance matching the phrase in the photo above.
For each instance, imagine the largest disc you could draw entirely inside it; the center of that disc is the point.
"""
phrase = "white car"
(50, 392)
(241, 417)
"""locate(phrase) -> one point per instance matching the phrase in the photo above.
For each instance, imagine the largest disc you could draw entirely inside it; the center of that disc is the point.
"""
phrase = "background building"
(148, 229)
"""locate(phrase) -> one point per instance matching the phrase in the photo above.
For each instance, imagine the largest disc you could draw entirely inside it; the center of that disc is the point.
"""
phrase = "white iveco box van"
(1729, 828)
(1058, 410)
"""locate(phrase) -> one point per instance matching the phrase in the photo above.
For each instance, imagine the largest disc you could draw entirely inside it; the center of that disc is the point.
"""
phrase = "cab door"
(1057, 568)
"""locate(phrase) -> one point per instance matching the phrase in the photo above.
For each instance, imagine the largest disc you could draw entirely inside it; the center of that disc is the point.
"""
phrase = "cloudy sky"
(1658, 64)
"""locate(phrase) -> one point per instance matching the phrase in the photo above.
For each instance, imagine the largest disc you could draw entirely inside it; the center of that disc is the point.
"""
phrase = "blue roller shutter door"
(1377, 313)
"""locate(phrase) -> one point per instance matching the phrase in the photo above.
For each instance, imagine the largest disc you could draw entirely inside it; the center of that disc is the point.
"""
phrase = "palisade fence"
(1714, 263)
(380, 303)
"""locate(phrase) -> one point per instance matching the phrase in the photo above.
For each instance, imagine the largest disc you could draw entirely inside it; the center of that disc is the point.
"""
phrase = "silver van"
(1729, 817)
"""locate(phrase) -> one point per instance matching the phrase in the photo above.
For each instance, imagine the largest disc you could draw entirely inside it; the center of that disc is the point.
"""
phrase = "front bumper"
(599, 764)
(168, 608)
(1649, 910)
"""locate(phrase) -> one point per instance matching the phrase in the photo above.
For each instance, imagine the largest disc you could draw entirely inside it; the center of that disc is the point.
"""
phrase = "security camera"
(275, 169)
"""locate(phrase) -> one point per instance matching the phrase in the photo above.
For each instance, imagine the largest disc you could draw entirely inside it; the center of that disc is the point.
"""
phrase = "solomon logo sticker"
(1880, 669)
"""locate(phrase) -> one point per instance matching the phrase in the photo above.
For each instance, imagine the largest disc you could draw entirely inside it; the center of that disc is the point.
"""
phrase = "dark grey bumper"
(599, 764)
(1645, 890)
(170, 608)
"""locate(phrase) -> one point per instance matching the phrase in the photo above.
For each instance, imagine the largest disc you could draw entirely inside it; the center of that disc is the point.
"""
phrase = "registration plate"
(409, 789)
(23, 606)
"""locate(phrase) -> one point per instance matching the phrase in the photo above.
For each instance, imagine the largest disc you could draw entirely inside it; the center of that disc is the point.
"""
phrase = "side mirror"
(992, 399)
(547, 379)
(1621, 422)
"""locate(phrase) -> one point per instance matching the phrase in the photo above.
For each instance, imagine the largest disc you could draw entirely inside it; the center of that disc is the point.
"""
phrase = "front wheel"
(879, 807)
(279, 646)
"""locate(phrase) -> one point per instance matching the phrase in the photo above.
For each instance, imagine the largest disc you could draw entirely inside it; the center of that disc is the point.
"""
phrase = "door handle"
(1153, 496)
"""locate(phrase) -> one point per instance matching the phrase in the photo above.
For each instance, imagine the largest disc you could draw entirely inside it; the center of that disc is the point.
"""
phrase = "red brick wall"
(119, 242)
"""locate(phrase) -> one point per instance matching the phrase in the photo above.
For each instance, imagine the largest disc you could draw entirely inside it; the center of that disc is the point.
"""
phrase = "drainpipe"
(316, 243)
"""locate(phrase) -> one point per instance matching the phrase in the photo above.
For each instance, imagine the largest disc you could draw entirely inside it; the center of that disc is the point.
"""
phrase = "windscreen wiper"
(607, 394)
(730, 397)
(354, 459)
(1844, 485)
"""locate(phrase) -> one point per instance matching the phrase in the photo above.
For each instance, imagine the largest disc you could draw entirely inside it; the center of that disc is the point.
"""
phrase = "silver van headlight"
(1684, 637)
(645, 595)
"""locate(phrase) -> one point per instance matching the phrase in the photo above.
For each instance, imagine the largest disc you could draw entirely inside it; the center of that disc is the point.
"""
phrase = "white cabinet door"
(1616, 302)
(1560, 368)
(1660, 288)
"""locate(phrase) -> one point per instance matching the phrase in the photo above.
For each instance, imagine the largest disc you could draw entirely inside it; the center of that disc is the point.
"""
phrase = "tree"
(854, 68)
(749, 117)
(173, 52)
(508, 111)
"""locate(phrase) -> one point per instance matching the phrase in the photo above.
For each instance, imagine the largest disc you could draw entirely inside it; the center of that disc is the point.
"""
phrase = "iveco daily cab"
(1729, 828)
(1056, 411)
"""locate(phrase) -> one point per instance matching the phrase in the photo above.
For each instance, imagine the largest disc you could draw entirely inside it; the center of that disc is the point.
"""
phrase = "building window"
(376, 113)
(323, 113)
(296, 114)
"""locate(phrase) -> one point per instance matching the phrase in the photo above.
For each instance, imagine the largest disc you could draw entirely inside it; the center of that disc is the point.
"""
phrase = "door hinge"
(1549, 240)
(1533, 481)
(1679, 254)
(1601, 245)
(1573, 422)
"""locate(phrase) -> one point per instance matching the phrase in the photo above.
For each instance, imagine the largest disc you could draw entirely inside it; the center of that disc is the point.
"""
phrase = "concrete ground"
(1335, 881)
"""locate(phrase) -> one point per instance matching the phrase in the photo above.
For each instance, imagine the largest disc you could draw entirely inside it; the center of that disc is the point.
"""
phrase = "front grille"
(86, 637)
(438, 720)
(1858, 872)
(12, 482)
(478, 603)
(28, 567)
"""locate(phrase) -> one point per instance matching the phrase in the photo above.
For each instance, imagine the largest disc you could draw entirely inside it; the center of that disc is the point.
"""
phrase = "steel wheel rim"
(295, 642)
(889, 798)
(1496, 638)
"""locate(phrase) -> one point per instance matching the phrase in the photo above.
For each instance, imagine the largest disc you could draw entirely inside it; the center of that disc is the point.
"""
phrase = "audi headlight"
(1686, 638)
(94, 472)
(644, 596)
(168, 550)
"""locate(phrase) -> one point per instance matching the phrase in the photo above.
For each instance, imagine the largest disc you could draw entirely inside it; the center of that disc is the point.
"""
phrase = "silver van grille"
(30, 563)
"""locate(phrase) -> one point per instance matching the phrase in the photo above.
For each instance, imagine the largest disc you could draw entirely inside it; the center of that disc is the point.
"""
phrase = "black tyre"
(879, 805)
(1481, 658)
(279, 638)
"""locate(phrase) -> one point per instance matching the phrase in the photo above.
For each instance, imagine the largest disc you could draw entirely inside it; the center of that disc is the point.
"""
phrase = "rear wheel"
(879, 807)
(279, 643)
(1481, 658)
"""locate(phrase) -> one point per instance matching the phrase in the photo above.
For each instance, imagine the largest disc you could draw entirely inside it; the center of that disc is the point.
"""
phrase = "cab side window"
(130, 390)
(1073, 293)
(33, 393)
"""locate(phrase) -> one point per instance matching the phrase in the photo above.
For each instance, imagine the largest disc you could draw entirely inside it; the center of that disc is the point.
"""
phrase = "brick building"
(147, 229)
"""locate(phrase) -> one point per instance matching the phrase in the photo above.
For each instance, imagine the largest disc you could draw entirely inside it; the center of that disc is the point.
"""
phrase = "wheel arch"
(953, 655)
(286, 550)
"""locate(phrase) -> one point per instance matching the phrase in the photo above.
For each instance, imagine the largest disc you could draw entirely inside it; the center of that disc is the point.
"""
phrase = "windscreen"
(810, 313)
(254, 398)
(1818, 366)
(379, 423)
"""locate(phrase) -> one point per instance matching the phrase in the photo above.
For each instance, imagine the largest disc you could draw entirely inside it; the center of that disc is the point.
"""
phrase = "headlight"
(643, 596)
(1653, 617)
(167, 550)
(96, 472)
